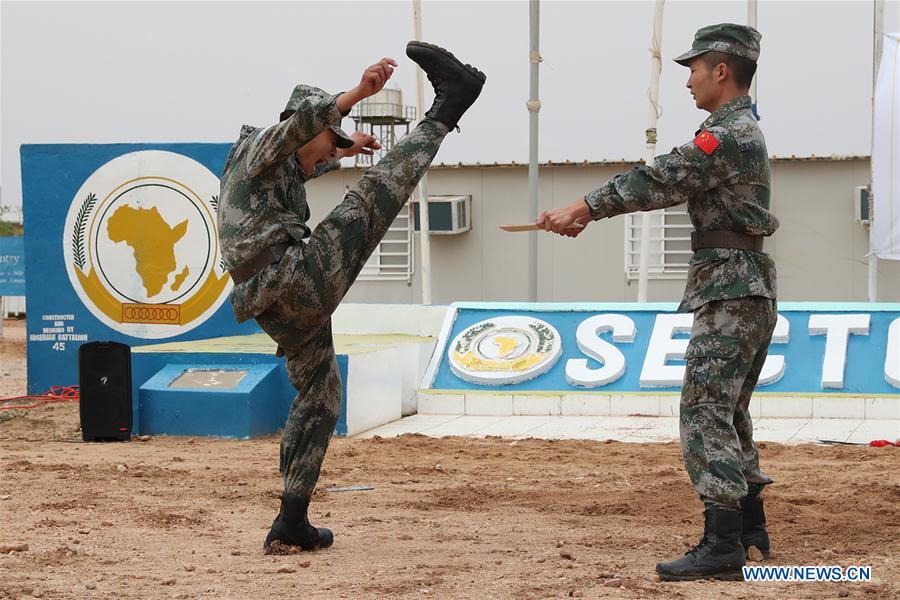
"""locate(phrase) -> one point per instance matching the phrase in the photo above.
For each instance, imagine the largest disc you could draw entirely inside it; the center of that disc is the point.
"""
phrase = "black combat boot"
(719, 555)
(456, 86)
(753, 524)
(291, 527)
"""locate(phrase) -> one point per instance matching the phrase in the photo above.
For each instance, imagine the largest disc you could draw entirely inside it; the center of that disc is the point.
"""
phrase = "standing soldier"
(723, 176)
(292, 279)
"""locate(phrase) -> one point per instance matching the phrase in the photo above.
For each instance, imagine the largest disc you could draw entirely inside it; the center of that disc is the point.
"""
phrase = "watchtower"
(382, 115)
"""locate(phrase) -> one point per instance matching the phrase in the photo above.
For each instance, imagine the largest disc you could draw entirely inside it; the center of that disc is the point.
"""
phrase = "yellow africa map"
(153, 242)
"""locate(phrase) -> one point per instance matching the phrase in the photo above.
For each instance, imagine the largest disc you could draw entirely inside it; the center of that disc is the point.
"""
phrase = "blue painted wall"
(12, 265)
(803, 354)
(51, 176)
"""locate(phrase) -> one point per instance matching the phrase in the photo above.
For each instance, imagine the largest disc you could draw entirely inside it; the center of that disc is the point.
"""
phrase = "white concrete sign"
(892, 356)
(589, 341)
(773, 370)
(510, 349)
(837, 330)
(663, 348)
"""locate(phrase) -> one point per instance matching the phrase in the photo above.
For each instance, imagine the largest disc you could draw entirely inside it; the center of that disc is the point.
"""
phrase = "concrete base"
(250, 409)
(381, 374)
(438, 402)
(636, 429)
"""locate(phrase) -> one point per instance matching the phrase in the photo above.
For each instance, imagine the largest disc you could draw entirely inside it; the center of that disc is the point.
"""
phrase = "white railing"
(670, 243)
(393, 258)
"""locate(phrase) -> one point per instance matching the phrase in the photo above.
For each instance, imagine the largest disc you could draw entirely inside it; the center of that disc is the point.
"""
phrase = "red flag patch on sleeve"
(706, 142)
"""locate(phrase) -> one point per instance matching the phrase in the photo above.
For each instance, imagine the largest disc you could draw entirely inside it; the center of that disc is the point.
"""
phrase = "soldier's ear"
(721, 72)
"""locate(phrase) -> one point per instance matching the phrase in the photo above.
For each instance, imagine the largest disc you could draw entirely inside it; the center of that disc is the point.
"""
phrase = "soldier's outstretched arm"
(363, 143)
(272, 145)
(693, 168)
(315, 112)
(672, 179)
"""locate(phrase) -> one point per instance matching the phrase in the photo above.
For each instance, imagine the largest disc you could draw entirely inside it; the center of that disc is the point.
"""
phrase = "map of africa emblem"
(504, 350)
(141, 245)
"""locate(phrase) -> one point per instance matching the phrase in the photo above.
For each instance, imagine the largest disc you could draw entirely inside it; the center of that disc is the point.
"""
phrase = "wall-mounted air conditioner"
(446, 214)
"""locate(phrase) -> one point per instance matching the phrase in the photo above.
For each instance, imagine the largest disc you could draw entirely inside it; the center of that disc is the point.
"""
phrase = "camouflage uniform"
(263, 203)
(723, 176)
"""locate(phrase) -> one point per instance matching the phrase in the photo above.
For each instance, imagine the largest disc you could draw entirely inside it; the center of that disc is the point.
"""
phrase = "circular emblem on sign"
(505, 350)
(141, 245)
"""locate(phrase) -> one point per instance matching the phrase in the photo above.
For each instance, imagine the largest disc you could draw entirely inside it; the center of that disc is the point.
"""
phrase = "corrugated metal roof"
(626, 162)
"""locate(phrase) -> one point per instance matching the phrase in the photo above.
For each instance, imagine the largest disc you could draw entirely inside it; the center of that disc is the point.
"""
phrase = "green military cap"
(740, 40)
(302, 91)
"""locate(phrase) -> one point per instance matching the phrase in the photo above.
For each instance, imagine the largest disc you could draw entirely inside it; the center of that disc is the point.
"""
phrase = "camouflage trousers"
(300, 320)
(728, 347)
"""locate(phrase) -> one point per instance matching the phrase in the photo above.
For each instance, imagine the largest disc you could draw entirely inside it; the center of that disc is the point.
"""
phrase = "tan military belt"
(725, 239)
(249, 268)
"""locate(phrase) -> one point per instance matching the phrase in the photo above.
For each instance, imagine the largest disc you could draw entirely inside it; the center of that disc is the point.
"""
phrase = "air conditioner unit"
(446, 214)
(861, 204)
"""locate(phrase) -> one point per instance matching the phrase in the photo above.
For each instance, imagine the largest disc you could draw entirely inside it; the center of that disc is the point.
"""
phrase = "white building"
(820, 248)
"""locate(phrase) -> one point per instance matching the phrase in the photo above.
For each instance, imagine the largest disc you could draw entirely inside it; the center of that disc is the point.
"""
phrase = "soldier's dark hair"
(742, 69)
(285, 115)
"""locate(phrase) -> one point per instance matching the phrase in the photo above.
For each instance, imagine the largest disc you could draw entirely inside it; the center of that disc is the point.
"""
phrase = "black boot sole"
(723, 576)
(468, 69)
(325, 539)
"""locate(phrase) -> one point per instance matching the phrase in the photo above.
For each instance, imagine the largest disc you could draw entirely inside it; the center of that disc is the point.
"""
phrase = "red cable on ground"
(883, 443)
(56, 394)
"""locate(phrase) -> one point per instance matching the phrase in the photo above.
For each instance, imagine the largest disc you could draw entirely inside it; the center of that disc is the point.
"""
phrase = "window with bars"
(393, 258)
(670, 243)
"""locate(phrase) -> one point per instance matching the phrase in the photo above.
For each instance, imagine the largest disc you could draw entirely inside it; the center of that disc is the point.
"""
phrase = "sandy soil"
(12, 358)
(448, 518)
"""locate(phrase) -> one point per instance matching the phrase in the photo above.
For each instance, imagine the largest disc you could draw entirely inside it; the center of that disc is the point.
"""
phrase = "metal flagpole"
(534, 106)
(422, 190)
(877, 33)
(650, 150)
(751, 21)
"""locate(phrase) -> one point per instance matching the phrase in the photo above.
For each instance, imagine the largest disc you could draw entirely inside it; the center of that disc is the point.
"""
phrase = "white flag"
(886, 153)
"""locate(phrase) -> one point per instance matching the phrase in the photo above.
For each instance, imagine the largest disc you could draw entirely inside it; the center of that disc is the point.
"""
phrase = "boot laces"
(704, 541)
(435, 83)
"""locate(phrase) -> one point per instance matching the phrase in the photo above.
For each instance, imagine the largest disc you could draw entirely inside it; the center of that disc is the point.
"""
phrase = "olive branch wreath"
(545, 336)
(214, 201)
(78, 232)
(466, 340)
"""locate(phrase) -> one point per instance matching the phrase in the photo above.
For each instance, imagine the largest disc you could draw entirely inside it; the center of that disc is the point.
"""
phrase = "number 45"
(59, 346)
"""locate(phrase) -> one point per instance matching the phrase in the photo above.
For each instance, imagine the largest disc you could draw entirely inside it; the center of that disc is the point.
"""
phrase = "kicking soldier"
(723, 176)
(292, 279)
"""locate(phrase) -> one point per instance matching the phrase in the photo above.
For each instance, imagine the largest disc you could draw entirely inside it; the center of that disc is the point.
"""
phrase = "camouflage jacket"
(724, 177)
(263, 199)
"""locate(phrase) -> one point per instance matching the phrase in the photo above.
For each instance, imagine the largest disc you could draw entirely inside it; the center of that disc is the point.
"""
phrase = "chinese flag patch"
(706, 142)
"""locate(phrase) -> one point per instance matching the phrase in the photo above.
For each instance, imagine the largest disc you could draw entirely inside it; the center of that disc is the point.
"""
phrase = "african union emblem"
(505, 350)
(141, 244)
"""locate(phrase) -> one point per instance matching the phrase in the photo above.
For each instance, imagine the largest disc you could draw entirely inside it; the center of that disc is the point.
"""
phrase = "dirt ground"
(12, 358)
(448, 518)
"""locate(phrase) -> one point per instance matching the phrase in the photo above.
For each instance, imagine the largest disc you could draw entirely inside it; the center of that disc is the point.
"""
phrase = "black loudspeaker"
(104, 384)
